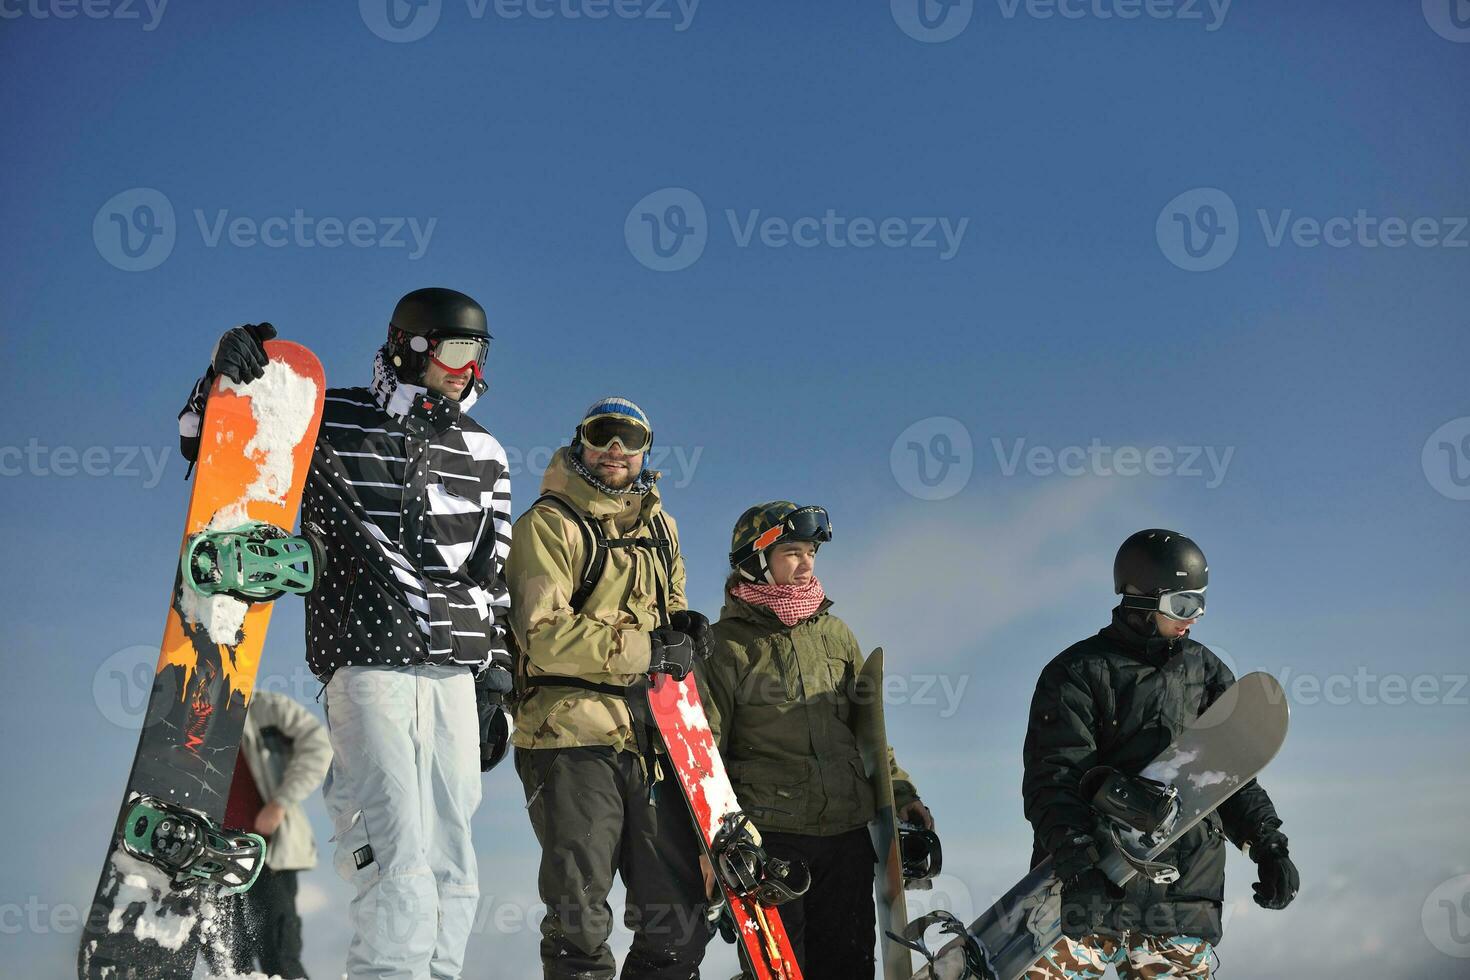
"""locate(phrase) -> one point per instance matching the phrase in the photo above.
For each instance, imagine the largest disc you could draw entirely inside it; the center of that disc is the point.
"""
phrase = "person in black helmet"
(1118, 699)
(408, 627)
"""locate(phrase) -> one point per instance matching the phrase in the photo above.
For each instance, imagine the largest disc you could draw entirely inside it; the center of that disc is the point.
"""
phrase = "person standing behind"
(284, 755)
(597, 603)
(778, 688)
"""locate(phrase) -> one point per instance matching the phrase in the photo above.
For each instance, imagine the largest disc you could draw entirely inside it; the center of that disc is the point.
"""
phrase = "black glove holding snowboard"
(671, 652)
(240, 354)
(1087, 893)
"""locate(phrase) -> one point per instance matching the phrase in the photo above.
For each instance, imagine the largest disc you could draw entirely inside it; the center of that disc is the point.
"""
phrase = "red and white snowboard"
(680, 719)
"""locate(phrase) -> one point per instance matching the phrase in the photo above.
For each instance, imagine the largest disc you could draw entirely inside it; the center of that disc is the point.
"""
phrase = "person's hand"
(1086, 898)
(696, 627)
(269, 818)
(670, 652)
(240, 354)
(918, 814)
(1278, 879)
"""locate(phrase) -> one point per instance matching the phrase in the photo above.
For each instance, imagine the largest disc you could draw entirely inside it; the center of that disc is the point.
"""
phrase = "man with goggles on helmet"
(1117, 699)
(779, 689)
(597, 585)
(408, 627)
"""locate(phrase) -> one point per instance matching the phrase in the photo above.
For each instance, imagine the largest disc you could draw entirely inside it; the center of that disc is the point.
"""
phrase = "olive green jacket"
(607, 640)
(779, 700)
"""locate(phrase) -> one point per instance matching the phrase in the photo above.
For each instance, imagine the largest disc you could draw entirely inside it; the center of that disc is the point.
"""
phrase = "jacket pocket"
(349, 595)
(771, 787)
(1200, 857)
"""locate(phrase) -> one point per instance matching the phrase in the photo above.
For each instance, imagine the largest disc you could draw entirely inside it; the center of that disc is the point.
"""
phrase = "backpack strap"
(595, 545)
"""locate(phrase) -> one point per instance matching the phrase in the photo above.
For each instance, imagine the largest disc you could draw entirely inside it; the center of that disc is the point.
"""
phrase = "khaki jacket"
(779, 699)
(607, 641)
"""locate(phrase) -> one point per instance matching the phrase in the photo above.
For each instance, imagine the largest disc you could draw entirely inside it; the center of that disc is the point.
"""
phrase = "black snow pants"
(833, 927)
(592, 815)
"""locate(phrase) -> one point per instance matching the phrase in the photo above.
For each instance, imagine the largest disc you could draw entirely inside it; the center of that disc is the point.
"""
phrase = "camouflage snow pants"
(1137, 957)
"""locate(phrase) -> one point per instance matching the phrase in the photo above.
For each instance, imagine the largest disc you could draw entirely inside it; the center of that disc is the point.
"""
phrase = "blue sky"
(1302, 403)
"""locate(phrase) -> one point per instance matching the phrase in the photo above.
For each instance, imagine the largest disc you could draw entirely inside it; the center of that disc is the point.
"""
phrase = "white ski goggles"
(1183, 605)
(454, 354)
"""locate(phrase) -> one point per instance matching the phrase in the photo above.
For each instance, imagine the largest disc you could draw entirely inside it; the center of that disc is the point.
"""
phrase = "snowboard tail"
(256, 442)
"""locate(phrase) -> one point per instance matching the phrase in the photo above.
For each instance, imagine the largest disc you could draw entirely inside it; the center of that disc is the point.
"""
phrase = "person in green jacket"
(778, 688)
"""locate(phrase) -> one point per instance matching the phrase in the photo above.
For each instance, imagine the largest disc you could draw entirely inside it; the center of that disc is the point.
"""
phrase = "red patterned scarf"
(790, 603)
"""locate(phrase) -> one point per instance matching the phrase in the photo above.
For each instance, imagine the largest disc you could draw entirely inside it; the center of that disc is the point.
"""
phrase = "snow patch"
(1211, 777)
(1166, 768)
(283, 404)
(140, 882)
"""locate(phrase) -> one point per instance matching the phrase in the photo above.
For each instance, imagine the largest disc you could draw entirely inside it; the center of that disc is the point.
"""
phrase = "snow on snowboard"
(1217, 754)
(752, 881)
(168, 856)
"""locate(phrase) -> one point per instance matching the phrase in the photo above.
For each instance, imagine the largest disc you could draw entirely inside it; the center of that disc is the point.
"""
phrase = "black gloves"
(240, 353)
(672, 653)
(1087, 893)
(1278, 880)
(696, 626)
(491, 688)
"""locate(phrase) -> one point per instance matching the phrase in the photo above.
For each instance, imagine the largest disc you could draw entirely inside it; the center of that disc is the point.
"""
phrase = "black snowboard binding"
(187, 846)
(255, 562)
(744, 867)
(1144, 809)
(977, 961)
(921, 855)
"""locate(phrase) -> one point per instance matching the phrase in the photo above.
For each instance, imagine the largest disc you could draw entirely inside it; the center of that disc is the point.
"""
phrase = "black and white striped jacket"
(412, 498)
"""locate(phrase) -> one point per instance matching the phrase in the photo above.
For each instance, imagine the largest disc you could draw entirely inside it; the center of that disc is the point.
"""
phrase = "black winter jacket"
(1118, 699)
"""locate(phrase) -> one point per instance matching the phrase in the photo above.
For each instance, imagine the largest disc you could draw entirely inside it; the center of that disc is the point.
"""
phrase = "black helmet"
(433, 314)
(1155, 561)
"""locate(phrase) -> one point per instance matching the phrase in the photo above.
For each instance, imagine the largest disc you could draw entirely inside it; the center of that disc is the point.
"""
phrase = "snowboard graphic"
(872, 738)
(167, 855)
(1216, 755)
(679, 718)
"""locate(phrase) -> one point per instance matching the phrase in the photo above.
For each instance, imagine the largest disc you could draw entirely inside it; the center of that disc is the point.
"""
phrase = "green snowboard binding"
(255, 562)
(187, 846)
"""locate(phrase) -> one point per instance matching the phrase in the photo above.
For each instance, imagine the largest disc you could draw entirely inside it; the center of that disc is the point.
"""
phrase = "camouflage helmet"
(766, 524)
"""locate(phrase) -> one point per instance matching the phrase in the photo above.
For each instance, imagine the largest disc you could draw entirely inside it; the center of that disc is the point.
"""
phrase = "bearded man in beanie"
(596, 581)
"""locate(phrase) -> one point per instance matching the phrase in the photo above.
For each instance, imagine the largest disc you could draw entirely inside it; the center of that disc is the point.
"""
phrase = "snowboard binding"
(1143, 809)
(921, 855)
(977, 960)
(187, 846)
(744, 867)
(255, 562)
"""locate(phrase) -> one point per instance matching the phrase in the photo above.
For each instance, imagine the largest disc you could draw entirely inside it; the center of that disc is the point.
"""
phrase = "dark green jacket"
(1119, 699)
(779, 699)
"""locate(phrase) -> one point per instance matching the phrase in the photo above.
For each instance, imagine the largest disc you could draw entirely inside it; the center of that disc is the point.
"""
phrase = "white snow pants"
(404, 782)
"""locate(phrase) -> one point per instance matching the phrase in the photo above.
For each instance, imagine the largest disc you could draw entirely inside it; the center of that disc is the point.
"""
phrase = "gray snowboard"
(1220, 752)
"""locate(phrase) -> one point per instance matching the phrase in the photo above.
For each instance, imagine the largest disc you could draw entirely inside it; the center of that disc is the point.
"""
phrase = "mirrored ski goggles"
(454, 354)
(601, 431)
(1183, 605)
(802, 524)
